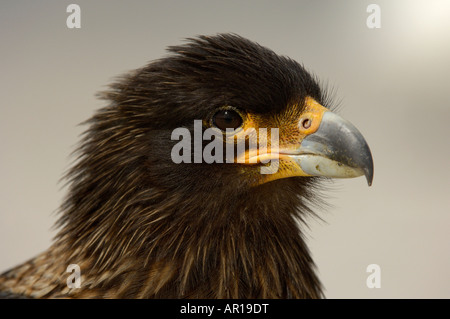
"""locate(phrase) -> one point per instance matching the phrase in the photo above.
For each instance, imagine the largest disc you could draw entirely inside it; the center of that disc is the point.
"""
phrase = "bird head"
(236, 91)
(205, 157)
(243, 93)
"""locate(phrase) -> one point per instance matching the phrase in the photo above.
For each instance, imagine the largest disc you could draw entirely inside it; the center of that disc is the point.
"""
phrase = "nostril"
(306, 123)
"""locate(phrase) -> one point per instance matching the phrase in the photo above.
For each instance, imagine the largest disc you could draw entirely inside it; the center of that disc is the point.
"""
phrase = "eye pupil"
(227, 119)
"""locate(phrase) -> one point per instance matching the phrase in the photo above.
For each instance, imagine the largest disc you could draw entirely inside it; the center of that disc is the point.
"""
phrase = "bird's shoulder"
(29, 279)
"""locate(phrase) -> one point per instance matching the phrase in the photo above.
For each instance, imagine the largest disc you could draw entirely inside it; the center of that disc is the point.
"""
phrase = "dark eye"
(227, 119)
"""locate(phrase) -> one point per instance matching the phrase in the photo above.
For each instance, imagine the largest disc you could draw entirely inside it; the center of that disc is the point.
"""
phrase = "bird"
(147, 217)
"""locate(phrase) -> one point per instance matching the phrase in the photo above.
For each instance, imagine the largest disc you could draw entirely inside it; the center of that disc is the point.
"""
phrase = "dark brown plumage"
(141, 226)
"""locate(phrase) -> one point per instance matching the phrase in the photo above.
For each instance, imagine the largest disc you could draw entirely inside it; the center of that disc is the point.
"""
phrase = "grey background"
(393, 82)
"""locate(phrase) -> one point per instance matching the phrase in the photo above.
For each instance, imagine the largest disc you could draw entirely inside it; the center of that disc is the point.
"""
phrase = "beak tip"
(369, 175)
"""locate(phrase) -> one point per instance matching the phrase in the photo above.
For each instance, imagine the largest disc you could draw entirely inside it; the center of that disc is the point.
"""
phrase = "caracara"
(169, 198)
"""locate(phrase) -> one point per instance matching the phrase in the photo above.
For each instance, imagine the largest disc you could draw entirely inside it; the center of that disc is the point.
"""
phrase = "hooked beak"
(336, 149)
(318, 142)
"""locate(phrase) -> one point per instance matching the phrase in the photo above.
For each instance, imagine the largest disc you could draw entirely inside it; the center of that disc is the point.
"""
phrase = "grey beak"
(337, 149)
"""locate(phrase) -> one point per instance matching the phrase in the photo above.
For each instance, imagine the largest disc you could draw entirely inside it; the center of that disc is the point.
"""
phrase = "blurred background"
(393, 83)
